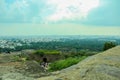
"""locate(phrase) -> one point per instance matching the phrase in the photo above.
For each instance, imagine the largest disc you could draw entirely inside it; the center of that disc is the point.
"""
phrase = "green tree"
(109, 45)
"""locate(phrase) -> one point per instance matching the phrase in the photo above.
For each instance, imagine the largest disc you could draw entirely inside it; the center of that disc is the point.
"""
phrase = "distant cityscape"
(13, 42)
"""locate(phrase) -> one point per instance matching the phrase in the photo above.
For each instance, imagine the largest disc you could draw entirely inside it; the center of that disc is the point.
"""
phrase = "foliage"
(79, 53)
(19, 58)
(61, 64)
(40, 53)
(48, 52)
(109, 45)
(65, 44)
(15, 58)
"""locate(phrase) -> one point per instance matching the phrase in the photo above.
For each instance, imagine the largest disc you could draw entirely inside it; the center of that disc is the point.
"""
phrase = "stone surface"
(15, 76)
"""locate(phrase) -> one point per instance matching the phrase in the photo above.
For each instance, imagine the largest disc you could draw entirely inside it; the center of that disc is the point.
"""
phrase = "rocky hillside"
(103, 66)
(13, 69)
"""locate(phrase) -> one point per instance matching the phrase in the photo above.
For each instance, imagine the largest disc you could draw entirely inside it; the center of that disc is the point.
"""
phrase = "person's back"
(44, 64)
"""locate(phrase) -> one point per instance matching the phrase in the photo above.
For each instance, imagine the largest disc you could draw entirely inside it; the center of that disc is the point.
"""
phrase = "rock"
(58, 79)
(6, 69)
(103, 66)
(15, 76)
(24, 70)
(109, 70)
(32, 67)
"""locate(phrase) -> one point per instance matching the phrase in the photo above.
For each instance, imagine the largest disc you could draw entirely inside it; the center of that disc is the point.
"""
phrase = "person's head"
(44, 59)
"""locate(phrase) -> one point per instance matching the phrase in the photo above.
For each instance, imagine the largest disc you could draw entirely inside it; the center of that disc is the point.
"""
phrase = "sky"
(59, 17)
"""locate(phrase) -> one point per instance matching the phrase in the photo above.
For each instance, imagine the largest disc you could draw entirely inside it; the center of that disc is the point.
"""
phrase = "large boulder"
(27, 70)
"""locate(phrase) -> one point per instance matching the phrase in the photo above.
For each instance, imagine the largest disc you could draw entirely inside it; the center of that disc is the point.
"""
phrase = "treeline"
(65, 46)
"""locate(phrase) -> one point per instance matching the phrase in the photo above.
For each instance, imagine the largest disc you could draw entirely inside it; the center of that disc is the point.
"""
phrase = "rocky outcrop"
(15, 67)
(15, 76)
(103, 66)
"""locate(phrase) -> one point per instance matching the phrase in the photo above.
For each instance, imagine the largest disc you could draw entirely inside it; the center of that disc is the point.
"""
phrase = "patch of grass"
(48, 52)
(61, 64)
(15, 58)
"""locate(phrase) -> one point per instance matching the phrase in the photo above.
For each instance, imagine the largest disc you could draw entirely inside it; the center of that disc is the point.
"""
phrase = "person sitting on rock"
(44, 64)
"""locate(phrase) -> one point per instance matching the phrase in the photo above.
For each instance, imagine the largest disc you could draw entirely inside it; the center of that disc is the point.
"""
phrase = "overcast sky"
(59, 17)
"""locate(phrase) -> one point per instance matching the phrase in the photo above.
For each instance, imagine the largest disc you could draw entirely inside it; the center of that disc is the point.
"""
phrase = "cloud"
(20, 11)
(87, 12)
(42, 11)
(71, 9)
(14, 11)
(108, 14)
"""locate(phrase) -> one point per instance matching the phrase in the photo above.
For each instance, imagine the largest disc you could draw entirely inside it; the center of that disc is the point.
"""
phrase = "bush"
(109, 45)
(40, 53)
(15, 58)
(61, 64)
(47, 52)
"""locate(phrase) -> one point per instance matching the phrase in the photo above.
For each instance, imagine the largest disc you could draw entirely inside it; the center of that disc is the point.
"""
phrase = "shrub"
(47, 52)
(109, 45)
(61, 64)
(15, 58)
(40, 53)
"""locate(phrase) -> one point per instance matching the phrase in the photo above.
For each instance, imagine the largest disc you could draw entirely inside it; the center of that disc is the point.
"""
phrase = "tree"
(109, 45)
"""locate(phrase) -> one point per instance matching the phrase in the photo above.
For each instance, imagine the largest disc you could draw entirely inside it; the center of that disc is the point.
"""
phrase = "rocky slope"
(11, 69)
(103, 66)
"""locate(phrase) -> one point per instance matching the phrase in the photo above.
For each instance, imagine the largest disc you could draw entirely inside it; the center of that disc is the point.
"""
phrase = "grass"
(61, 64)
(47, 52)
(15, 58)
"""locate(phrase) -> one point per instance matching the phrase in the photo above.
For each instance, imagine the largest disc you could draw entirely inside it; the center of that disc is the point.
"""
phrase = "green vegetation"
(109, 45)
(15, 58)
(48, 52)
(61, 64)
(79, 53)
(63, 44)
(19, 58)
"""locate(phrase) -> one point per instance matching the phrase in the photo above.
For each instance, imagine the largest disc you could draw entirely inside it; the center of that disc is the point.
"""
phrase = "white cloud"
(70, 9)
(17, 11)
(43, 11)
(15, 8)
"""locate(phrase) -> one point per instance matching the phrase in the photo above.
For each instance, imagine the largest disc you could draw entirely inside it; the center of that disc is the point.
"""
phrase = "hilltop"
(103, 66)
